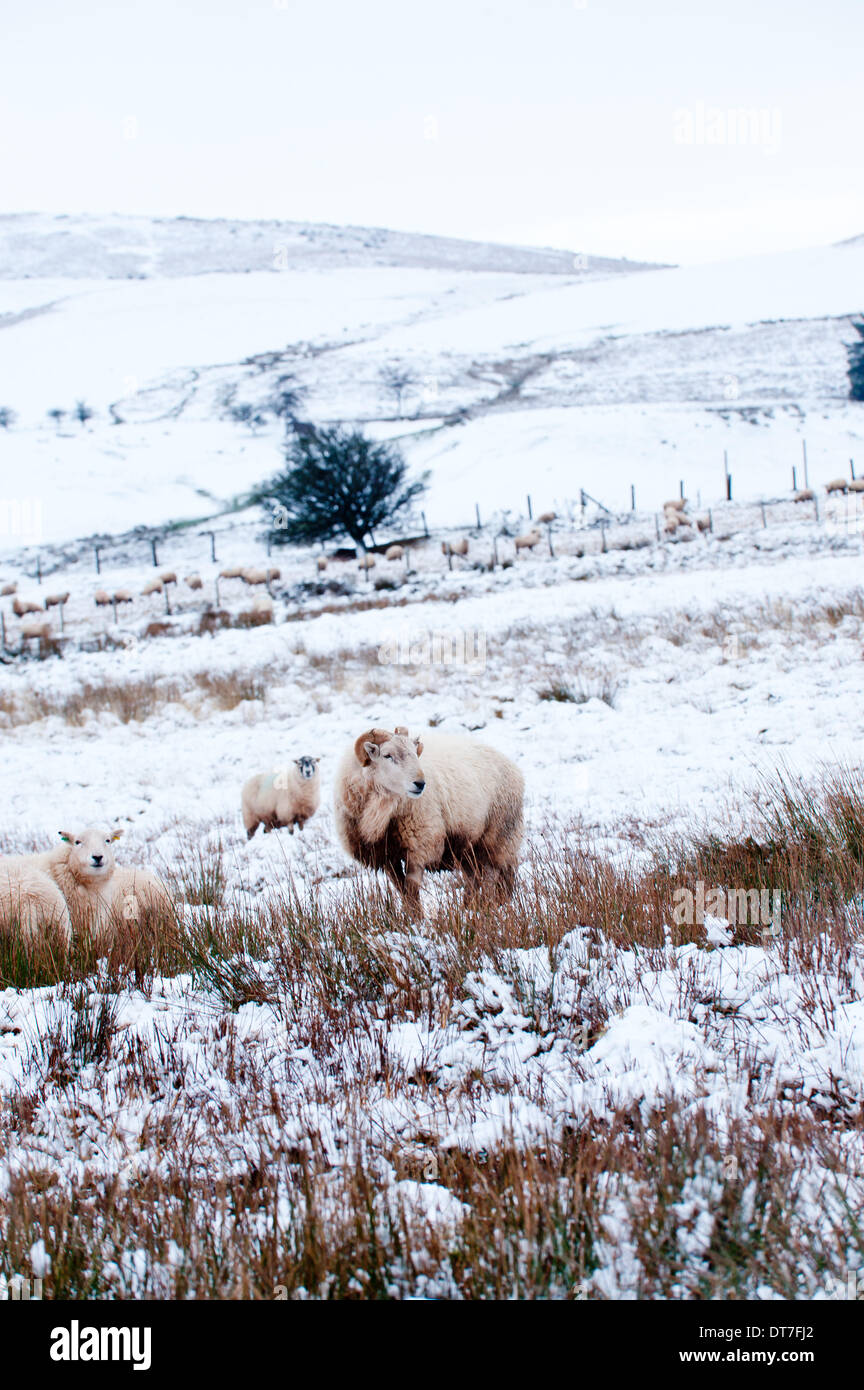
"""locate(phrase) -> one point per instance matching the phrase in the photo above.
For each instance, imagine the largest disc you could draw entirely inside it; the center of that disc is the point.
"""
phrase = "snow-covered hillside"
(530, 371)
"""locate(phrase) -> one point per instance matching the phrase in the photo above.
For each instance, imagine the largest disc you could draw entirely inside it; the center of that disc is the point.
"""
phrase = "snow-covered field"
(311, 1062)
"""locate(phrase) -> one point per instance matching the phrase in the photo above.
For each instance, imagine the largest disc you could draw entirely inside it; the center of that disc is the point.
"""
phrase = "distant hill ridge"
(117, 247)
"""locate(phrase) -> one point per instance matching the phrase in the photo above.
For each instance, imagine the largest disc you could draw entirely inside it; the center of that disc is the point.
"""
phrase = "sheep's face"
(393, 760)
(307, 767)
(91, 852)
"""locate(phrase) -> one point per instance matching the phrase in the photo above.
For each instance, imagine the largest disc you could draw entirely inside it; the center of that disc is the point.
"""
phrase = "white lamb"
(81, 867)
(288, 796)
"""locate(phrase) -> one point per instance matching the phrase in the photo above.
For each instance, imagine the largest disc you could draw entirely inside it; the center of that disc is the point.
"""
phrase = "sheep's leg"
(250, 829)
(411, 889)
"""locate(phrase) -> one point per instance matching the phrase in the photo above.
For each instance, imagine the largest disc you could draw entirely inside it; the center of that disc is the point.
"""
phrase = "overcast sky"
(601, 127)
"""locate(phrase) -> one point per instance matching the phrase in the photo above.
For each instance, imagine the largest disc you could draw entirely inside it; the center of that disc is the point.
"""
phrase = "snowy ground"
(643, 684)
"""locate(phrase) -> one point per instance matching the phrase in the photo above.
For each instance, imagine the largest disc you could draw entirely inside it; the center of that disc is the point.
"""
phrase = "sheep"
(546, 518)
(837, 485)
(857, 485)
(527, 542)
(168, 577)
(273, 574)
(135, 891)
(232, 572)
(288, 796)
(804, 494)
(122, 596)
(34, 630)
(394, 552)
(153, 586)
(703, 522)
(7, 590)
(322, 564)
(102, 599)
(81, 867)
(455, 547)
(22, 606)
(672, 521)
(194, 581)
(262, 603)
(56, 600)
(31, 900)
(253, 577)
(461, 809)
(367, 563)
(675, 504)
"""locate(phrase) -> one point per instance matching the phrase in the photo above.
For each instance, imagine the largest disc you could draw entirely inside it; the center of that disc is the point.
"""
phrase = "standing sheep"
(232, 572)
(194, 581)
(546, 518)
(804, 494)
(394, 552)
(528, 541)
(153, 586)
(56, 600)
(455, 547)
(837, 485)
(288, 796)
(857, 485)
(254, 577)
(7, 590)
(22, 606)
(461, 809)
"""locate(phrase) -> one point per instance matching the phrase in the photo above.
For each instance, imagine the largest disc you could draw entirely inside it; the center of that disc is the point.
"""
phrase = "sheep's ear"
(299, 762)
(316, 761)
(372, 750)
(419, 746)
(116, 834)
(361, 746)
(66, 836)
(400, 729)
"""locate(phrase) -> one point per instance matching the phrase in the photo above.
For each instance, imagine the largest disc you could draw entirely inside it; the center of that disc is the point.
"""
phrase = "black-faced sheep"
(287, 796)
(460, 809)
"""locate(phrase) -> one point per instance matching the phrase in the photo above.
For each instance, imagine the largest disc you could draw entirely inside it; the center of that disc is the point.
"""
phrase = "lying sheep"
(81, 867)
(527, 542)
(394, 552)
(455, 547)
(460, 809)
(194, 581)
(56, 600)
(804, 494)
(7, 590)
(287, 796)
(22, 606)
(136, 892)
(31, 902)
(153, 586)
(837, 485)
(254, 577)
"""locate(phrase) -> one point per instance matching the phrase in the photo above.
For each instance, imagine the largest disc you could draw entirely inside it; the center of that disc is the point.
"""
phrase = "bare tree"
(396, 378)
